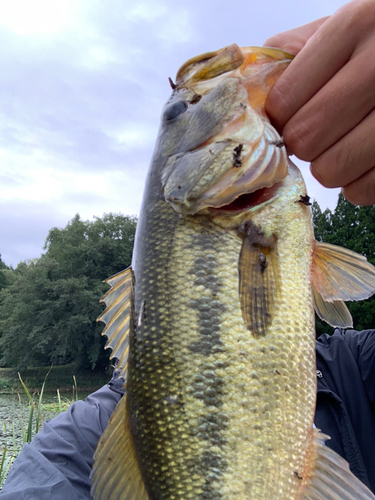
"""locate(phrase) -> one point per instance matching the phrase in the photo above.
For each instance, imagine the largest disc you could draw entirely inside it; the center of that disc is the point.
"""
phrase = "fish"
(213, 323)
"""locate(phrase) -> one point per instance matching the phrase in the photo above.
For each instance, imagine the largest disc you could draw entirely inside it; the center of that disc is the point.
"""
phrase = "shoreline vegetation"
(16, 433)
(59, 378)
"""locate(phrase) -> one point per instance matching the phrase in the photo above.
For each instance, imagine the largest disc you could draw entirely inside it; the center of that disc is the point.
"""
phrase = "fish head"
(216, 140)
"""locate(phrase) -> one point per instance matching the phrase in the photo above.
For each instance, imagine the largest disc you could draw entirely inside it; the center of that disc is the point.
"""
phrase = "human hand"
(324, 103)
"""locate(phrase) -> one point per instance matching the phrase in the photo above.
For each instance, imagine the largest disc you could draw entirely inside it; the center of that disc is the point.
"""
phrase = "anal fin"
(116, 474)
(331, 478)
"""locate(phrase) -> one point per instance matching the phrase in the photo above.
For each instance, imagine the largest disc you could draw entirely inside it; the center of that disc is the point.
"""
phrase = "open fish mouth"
(246, 154)
(247, 201)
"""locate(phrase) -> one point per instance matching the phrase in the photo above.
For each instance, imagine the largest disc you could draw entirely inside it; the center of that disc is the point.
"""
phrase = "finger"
(350, 158)
(361, 191)
(334, 110)
(294, 40)
(328, 49)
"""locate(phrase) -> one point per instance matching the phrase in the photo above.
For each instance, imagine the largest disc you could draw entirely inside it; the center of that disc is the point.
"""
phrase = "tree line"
(49, 305)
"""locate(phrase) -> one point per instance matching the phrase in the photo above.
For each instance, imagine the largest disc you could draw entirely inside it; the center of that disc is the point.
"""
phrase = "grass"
(7, 458)
(62, 403)
(34, 421)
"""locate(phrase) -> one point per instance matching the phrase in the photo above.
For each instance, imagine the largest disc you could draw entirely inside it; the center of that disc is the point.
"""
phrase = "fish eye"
(175, 109)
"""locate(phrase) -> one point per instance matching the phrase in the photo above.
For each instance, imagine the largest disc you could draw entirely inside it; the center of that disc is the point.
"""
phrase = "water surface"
(14, 412)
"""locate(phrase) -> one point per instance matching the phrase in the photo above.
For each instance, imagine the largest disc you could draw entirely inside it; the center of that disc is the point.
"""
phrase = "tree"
(322, 221)
(3, 274)
(48, 314)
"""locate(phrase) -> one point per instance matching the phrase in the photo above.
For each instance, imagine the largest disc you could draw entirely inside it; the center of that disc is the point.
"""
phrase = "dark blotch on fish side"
(208, 385)
(210, 390)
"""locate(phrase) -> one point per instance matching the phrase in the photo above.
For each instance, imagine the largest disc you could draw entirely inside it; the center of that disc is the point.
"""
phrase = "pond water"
(14, 412)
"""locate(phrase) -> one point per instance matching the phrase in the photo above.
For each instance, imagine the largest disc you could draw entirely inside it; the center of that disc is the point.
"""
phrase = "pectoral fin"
(331, 478)
(340, 274)
(115, 474)
(334, 313)
(258, 279)
(118, 316)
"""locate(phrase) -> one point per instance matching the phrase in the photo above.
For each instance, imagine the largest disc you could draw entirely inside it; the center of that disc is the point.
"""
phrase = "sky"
(82, 86)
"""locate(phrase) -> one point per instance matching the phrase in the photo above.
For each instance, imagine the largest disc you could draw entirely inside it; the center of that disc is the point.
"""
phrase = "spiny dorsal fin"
(258, 279)
(334, 313)
(118, 316)
(340, 274)
(115, 474)
(331, 478)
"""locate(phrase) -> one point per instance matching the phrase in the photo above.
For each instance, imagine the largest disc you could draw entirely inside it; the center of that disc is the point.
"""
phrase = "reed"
(34, 422)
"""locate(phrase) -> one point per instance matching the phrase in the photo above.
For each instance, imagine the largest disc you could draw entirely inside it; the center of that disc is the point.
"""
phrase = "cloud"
(81, 96)
(39, 16)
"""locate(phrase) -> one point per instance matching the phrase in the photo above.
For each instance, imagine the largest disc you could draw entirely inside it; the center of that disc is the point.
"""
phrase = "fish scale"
(212, 373)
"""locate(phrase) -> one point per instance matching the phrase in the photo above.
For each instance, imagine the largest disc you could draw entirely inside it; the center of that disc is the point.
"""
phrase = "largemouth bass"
(213, 325)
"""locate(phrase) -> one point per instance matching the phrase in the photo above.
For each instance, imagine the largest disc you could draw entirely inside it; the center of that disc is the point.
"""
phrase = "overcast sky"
(82, 86)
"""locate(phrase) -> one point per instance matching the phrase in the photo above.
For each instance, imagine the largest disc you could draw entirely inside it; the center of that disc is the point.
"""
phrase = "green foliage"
(352, 227)
(4, 273)
(48, 312)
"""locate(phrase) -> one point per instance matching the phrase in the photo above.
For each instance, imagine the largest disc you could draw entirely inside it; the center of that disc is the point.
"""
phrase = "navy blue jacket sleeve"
(56, 465)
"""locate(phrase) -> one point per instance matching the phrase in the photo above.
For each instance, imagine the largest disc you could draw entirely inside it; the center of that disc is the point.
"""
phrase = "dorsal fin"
(340, 274)
(115, 473)
(118, 316)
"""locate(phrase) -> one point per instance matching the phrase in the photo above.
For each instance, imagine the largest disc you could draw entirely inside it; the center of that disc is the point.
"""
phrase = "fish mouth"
(246, 202)
(244, 160)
